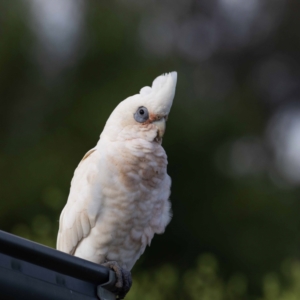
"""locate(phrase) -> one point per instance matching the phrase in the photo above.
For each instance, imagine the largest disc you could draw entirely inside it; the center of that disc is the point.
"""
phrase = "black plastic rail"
(32, 271)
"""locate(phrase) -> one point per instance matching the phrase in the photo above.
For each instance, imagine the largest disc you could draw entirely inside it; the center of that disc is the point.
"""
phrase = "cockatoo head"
(143, 115)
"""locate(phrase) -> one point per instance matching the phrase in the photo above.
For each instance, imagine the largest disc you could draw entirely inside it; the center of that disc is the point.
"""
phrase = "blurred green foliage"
(205, 282)
(53, 109)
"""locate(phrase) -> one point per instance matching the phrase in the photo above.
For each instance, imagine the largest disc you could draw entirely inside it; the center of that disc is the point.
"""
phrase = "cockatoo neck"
(147, 132)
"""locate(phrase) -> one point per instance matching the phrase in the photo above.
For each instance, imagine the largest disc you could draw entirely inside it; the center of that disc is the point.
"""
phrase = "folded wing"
(84, 204)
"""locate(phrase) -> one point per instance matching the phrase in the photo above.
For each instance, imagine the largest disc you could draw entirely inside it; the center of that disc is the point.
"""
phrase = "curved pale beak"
(161, 128)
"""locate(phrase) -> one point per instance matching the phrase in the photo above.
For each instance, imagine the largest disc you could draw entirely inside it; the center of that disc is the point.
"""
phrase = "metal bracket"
(103, 290)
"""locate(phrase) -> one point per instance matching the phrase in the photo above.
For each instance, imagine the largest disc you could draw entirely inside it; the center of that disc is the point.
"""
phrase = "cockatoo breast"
(141, 177)
(136, 195)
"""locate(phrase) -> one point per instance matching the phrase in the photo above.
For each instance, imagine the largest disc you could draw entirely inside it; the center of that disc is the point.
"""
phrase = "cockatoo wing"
(84, 204)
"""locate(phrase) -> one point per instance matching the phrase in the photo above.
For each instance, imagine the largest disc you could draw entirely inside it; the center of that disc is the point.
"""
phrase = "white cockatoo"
(119, 196)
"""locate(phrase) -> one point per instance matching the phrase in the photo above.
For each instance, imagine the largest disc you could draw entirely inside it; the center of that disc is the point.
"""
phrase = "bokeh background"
(233, 135)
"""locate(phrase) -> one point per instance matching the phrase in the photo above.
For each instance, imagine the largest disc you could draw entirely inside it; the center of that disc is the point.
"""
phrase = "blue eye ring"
(141, 115)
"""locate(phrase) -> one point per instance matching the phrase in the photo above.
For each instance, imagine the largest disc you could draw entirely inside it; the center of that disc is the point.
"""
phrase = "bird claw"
(124, 280)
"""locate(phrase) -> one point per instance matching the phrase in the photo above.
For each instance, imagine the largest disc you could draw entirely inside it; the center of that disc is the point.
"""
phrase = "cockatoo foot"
(124, 280)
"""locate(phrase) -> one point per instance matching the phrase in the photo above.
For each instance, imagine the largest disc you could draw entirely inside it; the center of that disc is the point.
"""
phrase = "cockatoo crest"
(160, 96)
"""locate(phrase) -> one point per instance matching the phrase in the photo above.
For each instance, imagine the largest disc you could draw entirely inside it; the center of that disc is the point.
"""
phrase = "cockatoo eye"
(141, 115)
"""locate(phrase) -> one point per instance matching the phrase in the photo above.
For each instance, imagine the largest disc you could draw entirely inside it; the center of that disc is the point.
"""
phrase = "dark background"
(233, 135)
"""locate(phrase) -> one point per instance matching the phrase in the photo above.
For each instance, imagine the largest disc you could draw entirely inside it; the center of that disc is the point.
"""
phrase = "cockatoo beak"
(160, 124)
